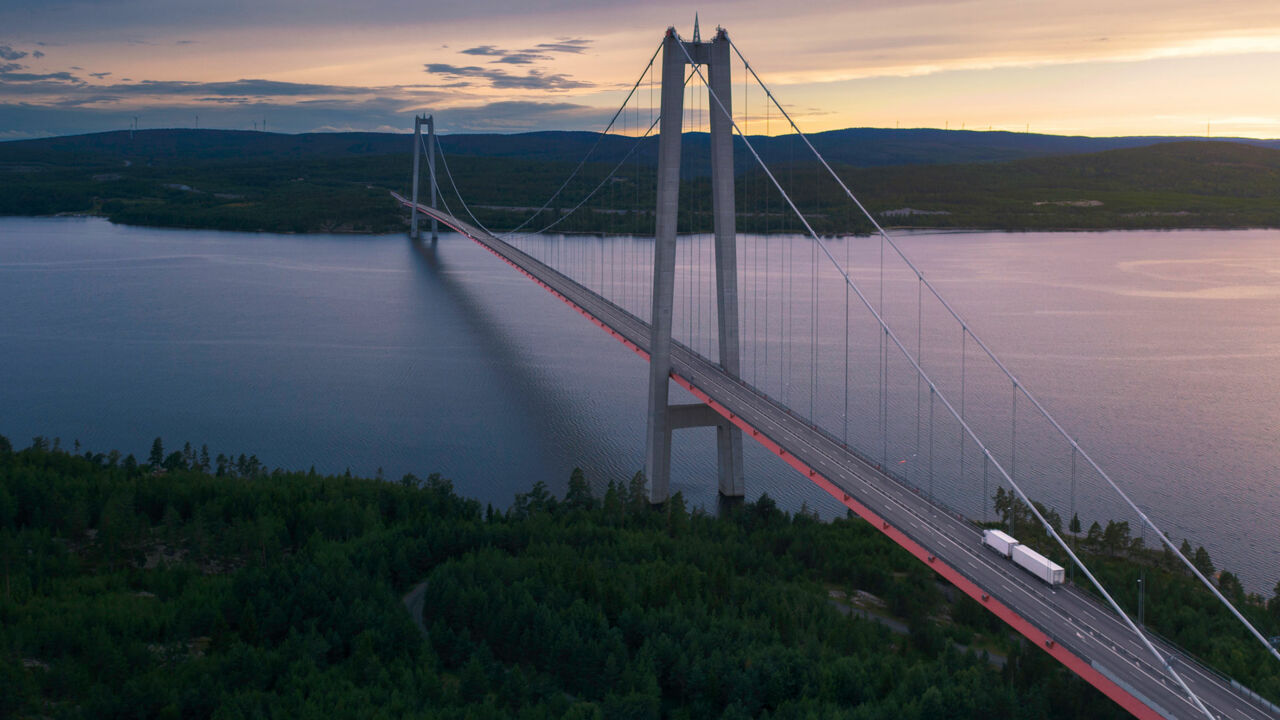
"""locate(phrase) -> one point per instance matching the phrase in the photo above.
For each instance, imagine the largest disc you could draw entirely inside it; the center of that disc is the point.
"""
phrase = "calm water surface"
(1159, 349)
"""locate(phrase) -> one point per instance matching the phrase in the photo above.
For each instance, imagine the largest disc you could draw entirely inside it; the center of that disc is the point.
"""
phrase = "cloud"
(483, 50)
(62, 89)
(522, 116)
(37, 54)
(564, 45)
(255, 88)
(8, 53)
(79, 101)
(79, 115)
(502, 80)
(90, 111)
(446, 69)
(99, 75)
(528, 56)
(17, 77)
(59, 103)
(522, 58)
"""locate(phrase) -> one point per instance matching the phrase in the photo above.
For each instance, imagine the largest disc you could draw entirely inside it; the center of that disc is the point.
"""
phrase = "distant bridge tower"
(418, 122)
(663, 418)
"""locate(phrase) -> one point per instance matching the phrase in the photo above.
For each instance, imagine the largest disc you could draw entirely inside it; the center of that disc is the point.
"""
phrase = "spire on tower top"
(697, 36)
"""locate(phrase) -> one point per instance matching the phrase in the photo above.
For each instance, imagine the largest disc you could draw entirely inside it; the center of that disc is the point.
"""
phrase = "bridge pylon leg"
(418, 122)
(657, 463)
(663, 418)
(729, 438)
(417, 156)
(431, 172)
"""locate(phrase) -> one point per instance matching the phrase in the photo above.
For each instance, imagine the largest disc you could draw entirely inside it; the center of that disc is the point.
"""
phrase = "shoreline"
(899, 229)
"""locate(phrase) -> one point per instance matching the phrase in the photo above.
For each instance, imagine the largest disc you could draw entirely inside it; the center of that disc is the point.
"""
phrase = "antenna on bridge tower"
(663, 417)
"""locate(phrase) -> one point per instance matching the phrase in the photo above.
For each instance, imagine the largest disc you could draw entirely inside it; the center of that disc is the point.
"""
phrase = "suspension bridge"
(725, 317)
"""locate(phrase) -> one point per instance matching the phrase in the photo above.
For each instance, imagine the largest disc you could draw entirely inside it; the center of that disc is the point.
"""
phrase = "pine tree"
(638, 493)
(578, 496)
(1202, 561)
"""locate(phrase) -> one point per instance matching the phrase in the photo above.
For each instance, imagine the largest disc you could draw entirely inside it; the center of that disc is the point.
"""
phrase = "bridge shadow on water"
(586, 433)
(567, 434)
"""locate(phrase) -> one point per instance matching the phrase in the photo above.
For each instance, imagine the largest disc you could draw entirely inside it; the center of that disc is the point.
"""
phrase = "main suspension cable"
(601, 184)
(599, 139)
(635, 146)
(449, 174)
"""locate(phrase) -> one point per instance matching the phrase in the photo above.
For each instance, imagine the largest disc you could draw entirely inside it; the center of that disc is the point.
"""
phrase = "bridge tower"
(663, 417)
(418, 122)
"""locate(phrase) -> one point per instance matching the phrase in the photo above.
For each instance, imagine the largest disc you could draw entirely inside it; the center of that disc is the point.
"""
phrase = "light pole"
(1140, 599)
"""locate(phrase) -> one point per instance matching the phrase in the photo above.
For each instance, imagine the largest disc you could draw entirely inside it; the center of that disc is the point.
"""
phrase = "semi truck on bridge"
(1023, 556)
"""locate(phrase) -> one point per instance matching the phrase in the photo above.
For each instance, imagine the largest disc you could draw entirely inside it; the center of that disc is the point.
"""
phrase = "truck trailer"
(1037, 564)
(999, 541)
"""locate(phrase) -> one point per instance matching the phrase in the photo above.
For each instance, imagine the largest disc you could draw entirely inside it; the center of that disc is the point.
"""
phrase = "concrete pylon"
(417, 156)
(724, 211)
(418, 122)
(431, 172)
(662, 417)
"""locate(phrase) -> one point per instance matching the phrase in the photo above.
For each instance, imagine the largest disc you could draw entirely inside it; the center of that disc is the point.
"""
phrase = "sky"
(1092, 67)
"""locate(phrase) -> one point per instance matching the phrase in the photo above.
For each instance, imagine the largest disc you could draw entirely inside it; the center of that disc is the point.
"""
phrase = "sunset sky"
(1092, 67)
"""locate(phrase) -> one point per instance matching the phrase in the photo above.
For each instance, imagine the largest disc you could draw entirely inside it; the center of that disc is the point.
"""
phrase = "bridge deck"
(1071, 626)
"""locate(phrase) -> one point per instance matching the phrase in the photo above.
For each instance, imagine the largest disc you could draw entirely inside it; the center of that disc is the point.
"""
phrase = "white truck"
(1026, 558)
(999, 541)
(1038, 565)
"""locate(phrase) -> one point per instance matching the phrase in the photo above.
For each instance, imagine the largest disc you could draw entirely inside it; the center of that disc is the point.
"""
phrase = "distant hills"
(864, 147)
(1168, 185)
(239, 180)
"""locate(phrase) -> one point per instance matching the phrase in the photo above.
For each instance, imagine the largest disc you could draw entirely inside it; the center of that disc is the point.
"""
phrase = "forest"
(198, 585)
(341, 183)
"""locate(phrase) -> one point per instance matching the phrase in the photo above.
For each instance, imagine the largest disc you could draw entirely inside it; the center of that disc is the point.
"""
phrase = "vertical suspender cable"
(963, 333)
(884, 372)
(931, 495)
(1075, 533)
(813, 332)
(848, 250)
(1013, 456)
(984, 489)
(697, 236)
(915, 463)
(768, 251)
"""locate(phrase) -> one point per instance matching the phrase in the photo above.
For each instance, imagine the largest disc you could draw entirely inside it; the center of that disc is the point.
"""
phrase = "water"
(1158, 349)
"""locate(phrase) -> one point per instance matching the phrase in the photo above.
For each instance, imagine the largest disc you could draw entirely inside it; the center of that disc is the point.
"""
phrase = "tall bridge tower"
(664, 417)
(418, 122)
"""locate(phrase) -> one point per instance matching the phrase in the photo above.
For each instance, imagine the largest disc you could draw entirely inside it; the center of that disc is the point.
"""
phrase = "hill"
(871, 147)
(339, 182)
(1170, 185)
